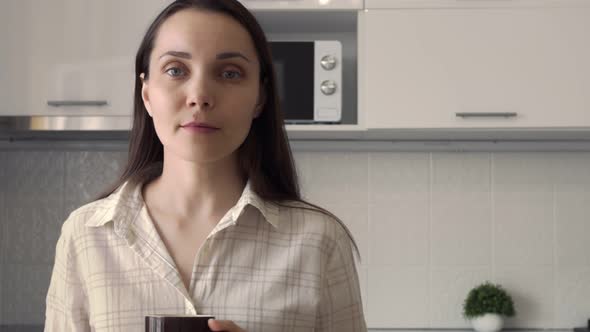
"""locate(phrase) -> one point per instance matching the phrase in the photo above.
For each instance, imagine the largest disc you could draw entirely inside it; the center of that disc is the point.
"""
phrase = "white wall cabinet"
(64, 51)
(383, 4)
(422, 67)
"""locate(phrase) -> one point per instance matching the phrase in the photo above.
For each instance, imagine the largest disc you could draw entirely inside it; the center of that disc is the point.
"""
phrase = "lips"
(199, 125)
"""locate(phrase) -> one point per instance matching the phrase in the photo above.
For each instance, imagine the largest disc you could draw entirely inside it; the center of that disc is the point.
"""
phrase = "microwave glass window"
(294, 66)
(280, 72)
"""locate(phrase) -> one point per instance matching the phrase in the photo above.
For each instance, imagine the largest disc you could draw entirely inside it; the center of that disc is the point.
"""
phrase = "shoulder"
(76, 224)
(319, 227)
(98, 213)
(304, 217)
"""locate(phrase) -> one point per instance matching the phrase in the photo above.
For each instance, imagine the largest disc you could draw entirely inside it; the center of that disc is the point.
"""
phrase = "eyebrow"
(229, 55)
(220, 56)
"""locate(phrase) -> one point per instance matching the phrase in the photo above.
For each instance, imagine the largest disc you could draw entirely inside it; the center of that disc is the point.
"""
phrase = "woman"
(207, 216)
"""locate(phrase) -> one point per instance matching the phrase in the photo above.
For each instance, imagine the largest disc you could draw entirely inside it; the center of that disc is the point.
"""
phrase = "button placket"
(190, 308)
(196, 290)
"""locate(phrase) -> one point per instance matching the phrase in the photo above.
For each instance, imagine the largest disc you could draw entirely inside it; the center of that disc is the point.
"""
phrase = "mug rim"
(178, 316)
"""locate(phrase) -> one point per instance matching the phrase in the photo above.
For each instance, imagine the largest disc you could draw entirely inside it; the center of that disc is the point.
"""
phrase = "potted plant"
(486, 306)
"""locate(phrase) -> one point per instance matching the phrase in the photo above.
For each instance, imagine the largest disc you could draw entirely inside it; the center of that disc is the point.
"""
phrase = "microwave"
(309, 80)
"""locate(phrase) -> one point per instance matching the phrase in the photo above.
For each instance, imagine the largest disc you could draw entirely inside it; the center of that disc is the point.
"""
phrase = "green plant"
(488, 298)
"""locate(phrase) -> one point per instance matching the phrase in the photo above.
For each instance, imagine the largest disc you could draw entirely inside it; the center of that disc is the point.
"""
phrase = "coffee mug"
(177, 323)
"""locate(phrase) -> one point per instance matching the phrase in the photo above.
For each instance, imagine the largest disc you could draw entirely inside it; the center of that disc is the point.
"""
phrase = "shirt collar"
(269, 210)
(123, 206)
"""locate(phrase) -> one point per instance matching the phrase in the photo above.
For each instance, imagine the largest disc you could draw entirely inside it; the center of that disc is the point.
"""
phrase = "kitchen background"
(437, 203)
(430, 225)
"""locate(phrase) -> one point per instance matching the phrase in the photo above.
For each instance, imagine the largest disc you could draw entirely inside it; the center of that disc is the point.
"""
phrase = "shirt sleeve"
(66, 302)
(341, 306)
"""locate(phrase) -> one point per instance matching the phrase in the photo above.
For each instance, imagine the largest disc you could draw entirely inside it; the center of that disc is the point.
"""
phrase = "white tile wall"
(430, 226)
(356, 219)
(523, 233)
(572, 291)
(448, 288)
(399, 233)
(533, 292)
(441, 223)
(572, 229)
(398, 176)
(461, 205)
(398, 192)
(398, 296)
(334, 178)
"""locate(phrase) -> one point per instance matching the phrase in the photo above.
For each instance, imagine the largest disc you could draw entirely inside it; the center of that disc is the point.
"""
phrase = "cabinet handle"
(486, 114)
(60, 103)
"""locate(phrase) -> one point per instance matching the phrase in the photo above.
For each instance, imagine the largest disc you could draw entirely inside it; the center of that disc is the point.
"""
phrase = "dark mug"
(177, 323)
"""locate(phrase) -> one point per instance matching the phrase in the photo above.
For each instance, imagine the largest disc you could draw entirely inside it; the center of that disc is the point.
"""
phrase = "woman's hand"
(223, 325)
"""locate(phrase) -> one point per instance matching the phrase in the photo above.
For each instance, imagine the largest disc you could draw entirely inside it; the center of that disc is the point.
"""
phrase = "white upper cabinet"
(302, 4)
(383, 4)
(477, 68)
(62, 52)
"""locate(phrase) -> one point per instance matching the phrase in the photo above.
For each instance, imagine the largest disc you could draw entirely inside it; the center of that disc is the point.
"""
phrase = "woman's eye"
(174, 72)
(231, 74)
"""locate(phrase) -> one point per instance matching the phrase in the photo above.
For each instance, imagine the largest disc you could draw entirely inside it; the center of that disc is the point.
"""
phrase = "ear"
(144, 94)
(261, 100)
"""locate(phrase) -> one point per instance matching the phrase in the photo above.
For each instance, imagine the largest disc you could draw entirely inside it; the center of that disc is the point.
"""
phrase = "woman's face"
(204, 69)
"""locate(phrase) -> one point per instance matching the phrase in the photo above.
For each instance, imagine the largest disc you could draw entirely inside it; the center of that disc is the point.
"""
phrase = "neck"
(188, 191)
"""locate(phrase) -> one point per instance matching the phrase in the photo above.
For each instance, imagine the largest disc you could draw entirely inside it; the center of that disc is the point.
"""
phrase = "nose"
(200, 96)
(200, 102)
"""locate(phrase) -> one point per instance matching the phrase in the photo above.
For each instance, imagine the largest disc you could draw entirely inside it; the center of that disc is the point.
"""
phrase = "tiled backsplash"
(429, 226)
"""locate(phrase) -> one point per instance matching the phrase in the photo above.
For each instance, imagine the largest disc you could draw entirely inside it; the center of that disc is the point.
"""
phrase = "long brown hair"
(264, 158)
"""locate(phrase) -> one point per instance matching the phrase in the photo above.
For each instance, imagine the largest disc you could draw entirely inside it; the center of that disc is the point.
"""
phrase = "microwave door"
(294, 67)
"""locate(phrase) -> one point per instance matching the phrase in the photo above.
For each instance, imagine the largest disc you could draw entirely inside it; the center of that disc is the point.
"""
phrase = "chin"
(205, 156)
(200, 152)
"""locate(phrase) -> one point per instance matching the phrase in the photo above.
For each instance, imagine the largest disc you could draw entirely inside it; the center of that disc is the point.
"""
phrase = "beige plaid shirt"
(266, 267)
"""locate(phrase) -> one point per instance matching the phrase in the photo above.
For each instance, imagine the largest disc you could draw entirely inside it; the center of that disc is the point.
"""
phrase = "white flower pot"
(488, 323)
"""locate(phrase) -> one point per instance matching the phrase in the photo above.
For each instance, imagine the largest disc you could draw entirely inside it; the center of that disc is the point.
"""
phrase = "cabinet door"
(11, 78)
(65, 51)
(425, 66)
(380, 4)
